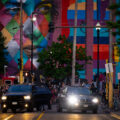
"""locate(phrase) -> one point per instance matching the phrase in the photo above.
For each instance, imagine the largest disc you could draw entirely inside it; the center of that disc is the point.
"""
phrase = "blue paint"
(107, 15)
(79, 40)
(80, 1)
(81, 74)
(82, 15)
(98, 9)
(71, 14)
(80, 32)
(102, 40)
(103, 32)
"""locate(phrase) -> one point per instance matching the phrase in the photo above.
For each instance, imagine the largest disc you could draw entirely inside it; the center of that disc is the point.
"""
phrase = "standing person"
(93, 88)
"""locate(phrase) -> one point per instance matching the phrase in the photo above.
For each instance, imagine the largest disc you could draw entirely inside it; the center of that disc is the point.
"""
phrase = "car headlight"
(4, 98)
(95, 100)
(27, 97)
(72, 99)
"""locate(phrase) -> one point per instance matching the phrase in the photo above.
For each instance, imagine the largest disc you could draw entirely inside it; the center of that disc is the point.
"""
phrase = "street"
(53, 115)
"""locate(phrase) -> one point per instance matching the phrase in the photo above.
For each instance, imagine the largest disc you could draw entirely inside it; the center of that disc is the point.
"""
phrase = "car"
(24, 96)
(77, 98)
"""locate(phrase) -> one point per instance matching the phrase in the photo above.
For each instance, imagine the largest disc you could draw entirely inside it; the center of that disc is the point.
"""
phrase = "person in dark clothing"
(93, 88)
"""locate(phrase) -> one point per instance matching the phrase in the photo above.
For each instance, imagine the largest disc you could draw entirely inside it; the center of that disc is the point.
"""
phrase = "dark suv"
(78, 98)
(25, 96)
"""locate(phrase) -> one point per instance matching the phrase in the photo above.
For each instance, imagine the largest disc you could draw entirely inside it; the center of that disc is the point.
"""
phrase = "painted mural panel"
(101, 14)
(45, 12)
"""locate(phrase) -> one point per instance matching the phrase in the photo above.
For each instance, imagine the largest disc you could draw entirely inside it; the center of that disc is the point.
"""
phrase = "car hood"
(83, 96)
(17, 93)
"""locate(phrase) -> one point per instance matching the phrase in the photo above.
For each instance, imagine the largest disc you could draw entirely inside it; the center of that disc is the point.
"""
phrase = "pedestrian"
(93, 88)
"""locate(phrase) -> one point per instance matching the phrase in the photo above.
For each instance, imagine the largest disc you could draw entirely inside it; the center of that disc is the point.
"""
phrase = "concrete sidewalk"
(115, 115)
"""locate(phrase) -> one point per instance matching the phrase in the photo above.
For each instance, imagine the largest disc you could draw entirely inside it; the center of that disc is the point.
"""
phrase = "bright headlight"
(27, 97)
(72, 99)
(95, 100)
(4, 98)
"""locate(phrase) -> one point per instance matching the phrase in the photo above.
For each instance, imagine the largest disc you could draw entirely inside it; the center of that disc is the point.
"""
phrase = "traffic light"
(19, 63)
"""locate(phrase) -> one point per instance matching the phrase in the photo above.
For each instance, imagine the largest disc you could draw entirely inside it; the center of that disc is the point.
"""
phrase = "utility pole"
(21, 43)
(74, 46)
(110, 61)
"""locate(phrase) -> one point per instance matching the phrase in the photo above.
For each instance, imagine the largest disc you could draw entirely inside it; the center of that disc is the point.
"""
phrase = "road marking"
(115, 116)
(40, 115)
(9, 117)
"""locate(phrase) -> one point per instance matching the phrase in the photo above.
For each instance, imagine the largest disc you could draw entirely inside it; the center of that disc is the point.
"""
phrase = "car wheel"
(83, 111)
(30, 109)
(95, 111)
(14, 110)
(59, 109)
(49, 106)
(4, 110)
(69, 110)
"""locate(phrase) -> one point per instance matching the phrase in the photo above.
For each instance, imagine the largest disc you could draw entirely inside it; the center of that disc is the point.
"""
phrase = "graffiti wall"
(47, 12)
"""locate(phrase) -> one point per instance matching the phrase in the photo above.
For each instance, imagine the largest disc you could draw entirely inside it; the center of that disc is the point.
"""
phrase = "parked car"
(25, 97)
(77, 98)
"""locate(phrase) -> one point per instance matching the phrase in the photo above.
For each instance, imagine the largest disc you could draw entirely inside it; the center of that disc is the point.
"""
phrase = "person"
(93, 88)
(45, 12)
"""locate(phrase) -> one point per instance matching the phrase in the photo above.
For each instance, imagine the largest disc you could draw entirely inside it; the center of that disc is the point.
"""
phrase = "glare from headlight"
(95, 100)
(4, 98)
(27, 97)
(72, 99)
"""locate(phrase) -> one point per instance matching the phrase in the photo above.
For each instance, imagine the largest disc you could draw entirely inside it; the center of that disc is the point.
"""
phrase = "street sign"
(118, 76)
(109, 67)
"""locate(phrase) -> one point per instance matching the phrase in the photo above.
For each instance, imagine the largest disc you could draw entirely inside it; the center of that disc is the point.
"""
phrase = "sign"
(109, 67)
(118, 76)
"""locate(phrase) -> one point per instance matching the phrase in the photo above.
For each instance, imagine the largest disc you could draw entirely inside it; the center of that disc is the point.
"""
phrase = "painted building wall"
(61, 13)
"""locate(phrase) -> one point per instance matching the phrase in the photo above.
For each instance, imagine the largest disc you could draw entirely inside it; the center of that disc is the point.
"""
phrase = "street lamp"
(21, 42)
(33, 19)
(98, 37)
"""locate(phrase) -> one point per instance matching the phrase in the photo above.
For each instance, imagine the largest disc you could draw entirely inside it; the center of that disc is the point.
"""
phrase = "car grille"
(15, 98)
(85, 100)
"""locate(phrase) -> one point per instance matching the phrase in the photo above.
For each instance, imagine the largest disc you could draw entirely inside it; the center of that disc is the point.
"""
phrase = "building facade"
(60, 13)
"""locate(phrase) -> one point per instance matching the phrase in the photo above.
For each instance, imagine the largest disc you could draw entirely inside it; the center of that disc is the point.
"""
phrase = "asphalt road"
(53, 115)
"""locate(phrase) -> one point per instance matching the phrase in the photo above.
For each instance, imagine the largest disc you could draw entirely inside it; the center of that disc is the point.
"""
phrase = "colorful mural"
(101, 14)
(45, 12)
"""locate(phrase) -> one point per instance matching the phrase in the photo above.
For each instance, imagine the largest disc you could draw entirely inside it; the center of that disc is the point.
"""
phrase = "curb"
(115, 115)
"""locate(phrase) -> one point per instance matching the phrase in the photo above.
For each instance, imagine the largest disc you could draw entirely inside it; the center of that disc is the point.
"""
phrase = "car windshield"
(20, 88)
(78, 90)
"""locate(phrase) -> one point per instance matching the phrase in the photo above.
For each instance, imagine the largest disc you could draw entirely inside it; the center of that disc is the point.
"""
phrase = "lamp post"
(98, 37)
(5, 66)
(74, 47)
(33, 19)
(21, 43)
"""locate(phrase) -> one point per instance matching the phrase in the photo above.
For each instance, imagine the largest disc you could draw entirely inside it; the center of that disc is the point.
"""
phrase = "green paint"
(4, 1)
(48, 17)
(12, 27)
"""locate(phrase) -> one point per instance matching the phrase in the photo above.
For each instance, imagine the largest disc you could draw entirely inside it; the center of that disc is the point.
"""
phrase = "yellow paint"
(116, 56)
(40, 116)
(7, 35)
(115, 116)
(9, 117)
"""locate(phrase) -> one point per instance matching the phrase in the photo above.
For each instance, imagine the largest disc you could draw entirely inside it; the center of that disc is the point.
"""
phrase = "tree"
(56, 60)
(3, 52)
(115, 9)
(115, 25)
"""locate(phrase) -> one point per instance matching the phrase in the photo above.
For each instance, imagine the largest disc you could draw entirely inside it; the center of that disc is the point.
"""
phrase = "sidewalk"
(115, 114)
